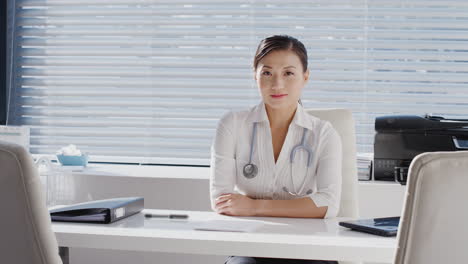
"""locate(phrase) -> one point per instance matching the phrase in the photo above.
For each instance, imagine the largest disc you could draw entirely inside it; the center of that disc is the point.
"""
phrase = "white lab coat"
(231, 150)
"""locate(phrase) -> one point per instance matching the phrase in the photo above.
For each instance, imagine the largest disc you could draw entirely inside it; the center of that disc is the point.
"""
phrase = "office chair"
(26, 236)
(343, 122)
(433, 225)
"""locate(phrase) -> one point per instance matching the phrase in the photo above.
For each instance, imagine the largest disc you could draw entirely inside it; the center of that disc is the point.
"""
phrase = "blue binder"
(101, 211)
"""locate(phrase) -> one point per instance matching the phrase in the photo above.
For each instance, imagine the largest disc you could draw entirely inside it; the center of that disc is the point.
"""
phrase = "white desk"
(279, 238)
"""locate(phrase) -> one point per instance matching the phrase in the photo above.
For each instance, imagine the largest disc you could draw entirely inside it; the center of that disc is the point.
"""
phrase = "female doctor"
(275, 159)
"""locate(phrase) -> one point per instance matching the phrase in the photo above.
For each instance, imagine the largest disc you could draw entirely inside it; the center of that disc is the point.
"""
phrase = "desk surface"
(278, 237)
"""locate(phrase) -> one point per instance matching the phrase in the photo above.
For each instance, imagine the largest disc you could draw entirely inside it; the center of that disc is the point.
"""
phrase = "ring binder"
(101, 211)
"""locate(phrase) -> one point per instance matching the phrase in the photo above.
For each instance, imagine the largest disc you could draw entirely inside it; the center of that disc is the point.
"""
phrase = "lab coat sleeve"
(223, 163)
(328, 172)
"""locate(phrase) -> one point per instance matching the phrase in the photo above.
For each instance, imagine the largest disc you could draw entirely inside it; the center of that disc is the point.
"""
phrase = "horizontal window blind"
(146, 81)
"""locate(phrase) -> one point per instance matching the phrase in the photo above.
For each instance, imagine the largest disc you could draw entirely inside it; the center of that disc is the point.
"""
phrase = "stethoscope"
(251, 170)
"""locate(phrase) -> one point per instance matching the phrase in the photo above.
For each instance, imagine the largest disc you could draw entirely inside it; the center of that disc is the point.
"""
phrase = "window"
(3, 63)
(146, 81)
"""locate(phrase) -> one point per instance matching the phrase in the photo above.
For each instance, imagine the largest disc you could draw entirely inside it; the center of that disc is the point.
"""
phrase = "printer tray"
(101, 211)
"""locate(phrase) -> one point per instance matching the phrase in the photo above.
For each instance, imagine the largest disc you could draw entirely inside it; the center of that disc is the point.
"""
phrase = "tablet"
(387, 226)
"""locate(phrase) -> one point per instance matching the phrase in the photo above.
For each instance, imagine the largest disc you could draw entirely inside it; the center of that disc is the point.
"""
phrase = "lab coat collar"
(301, 118)
(258, 113)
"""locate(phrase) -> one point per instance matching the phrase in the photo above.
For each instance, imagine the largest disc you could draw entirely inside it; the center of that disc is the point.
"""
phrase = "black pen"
(170, 216)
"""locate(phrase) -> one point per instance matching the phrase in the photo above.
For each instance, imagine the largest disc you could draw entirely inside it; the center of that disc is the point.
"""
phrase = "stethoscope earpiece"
(294, 193)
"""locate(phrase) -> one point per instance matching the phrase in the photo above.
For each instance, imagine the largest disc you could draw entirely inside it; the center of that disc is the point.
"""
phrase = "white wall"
(185, 193)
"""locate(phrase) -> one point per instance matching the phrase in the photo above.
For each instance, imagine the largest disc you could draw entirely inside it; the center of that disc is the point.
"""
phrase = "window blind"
(146, 81)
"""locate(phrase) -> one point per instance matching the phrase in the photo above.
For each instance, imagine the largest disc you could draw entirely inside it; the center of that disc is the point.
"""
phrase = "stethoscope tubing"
(302, 146)
(309, 161)
(250, 170)
(252, 141)
(253, 168)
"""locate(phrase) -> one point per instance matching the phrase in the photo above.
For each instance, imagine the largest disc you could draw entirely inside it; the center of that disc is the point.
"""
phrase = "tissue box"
(73, 160)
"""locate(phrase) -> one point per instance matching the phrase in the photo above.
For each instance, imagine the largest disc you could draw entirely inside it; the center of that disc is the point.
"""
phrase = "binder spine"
(126, 210)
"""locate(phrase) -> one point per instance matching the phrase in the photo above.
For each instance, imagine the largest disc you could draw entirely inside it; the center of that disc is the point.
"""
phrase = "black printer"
(400, 138)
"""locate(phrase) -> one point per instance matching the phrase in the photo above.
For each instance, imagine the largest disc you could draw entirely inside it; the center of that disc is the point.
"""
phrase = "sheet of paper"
(228, 226)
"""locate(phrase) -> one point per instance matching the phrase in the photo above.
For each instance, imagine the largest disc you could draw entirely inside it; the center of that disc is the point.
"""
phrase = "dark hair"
(280, 42)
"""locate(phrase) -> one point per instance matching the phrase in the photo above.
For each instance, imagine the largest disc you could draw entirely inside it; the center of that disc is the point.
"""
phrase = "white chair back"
(26, 236)
(433, 227)
(343, 122)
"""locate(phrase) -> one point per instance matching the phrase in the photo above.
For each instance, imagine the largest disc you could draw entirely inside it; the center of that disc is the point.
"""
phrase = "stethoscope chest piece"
(250, 170)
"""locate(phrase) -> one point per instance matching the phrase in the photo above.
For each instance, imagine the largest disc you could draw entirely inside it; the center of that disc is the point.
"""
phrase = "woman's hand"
(235, 204)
